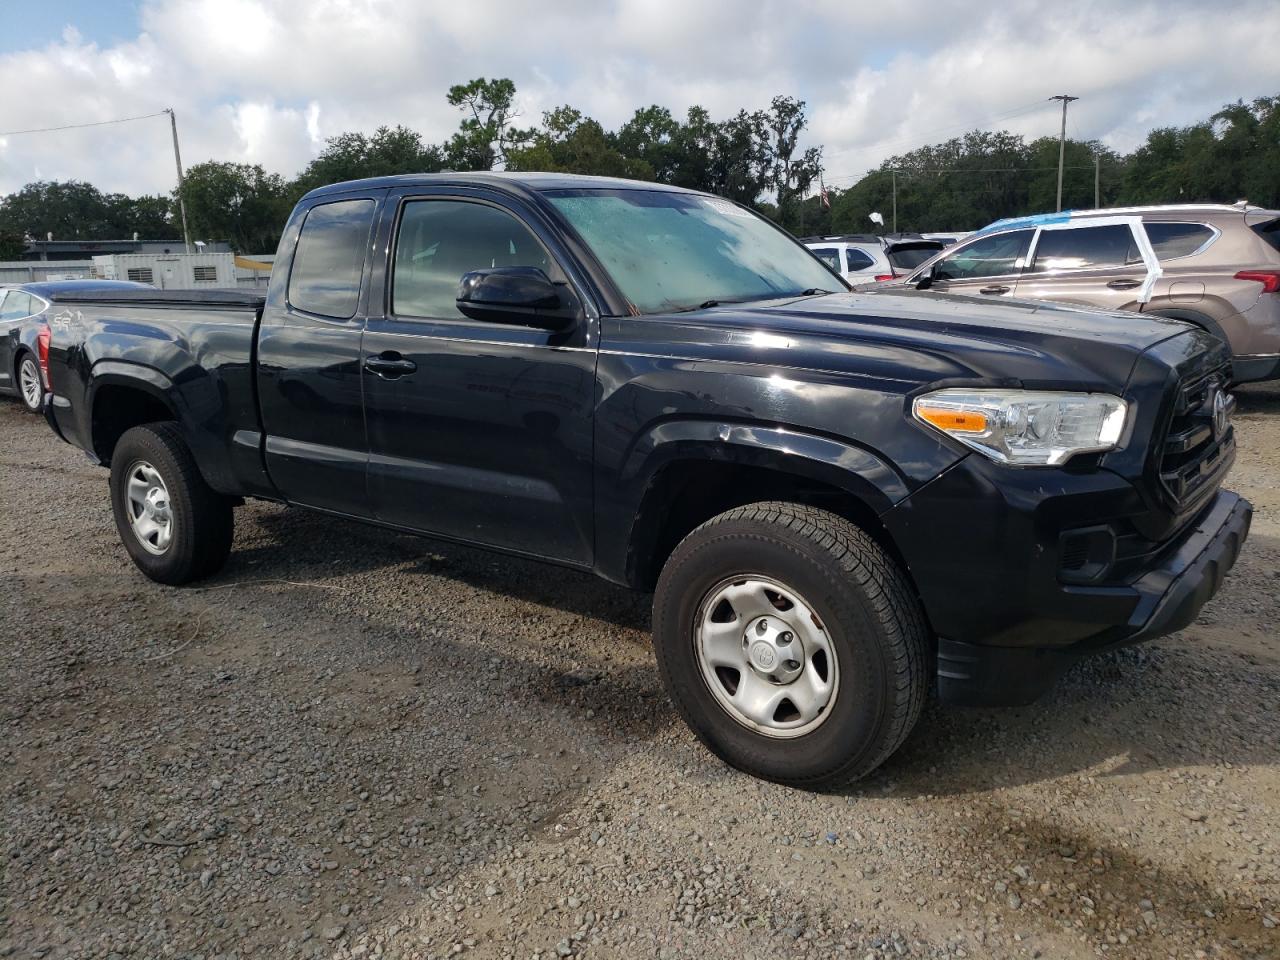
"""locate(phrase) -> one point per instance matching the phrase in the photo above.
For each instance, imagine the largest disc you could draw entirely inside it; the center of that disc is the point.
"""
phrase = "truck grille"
(1200, 442)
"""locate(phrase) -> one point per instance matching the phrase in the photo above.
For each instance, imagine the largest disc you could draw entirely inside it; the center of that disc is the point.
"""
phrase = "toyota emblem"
(1221, 412)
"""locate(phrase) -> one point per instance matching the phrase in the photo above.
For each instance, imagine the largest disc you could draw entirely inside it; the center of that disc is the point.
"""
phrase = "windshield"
(670, 251)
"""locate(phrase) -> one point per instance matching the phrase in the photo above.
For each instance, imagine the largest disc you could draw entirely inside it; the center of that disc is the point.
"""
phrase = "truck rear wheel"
(791, 644)
(173, 524)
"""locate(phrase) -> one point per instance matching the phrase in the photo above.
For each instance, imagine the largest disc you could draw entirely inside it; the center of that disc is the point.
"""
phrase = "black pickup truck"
(837, 499)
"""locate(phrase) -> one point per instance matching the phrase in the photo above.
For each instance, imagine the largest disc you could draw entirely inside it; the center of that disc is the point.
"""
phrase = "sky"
(266, 81)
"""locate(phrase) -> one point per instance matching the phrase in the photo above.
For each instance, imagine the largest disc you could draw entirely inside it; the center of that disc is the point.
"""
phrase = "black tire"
(201, 520)
(25, 358)
(864, 602)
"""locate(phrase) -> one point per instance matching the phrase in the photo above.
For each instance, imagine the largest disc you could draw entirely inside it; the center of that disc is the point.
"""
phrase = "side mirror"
(522, 296)
(924, 280)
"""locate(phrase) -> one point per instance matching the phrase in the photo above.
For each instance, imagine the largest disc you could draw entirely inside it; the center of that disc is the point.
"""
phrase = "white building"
(173, 271)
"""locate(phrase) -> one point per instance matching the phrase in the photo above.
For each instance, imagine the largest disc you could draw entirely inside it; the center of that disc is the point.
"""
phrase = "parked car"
(954, 236)
(837, 499)
(22, 308)
(859, 257)
(855, 256)
(1214, 265)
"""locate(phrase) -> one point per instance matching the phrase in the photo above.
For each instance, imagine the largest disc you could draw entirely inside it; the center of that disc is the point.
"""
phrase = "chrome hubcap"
(150, 513)
(29, 382)
(766, 656)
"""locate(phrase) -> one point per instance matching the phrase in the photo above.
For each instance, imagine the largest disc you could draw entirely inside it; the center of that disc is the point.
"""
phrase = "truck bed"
(177, 298)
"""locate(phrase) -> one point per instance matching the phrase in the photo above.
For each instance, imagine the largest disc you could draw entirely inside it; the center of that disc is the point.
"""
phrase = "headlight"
(1025, 427)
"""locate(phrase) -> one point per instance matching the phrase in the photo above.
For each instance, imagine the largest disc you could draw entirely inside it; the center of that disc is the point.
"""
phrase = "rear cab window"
(329, 260)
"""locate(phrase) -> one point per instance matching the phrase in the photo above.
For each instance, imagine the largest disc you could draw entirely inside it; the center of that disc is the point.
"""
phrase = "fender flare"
(857, 471)
(1201, 320)
(125, 373)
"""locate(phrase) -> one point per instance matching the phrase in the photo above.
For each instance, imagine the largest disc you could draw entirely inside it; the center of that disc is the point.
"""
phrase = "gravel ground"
(359, 744)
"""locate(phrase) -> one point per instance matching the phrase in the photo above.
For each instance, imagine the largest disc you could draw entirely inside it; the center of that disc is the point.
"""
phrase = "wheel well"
(118, 408)
(1203, 321)
(686, 494)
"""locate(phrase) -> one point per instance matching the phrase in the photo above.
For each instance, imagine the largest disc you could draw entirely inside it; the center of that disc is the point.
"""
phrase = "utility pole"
(177, 160)
(895, 201)
(1062, 142)
(1097, 181)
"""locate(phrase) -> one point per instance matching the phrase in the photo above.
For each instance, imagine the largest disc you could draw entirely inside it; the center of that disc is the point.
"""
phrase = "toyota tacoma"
(838, 500)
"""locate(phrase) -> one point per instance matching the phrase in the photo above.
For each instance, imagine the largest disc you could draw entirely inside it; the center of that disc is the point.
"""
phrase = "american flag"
(826, 200)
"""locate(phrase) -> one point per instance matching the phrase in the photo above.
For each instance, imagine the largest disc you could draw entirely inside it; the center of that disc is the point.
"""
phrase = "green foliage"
(488, 130)
(79, 211)
(750, 157)
(11, 246)
(237, 202)
(353, 156)
(572, 143)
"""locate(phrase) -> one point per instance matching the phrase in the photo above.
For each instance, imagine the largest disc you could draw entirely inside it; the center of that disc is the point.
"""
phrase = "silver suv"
(1215, 265)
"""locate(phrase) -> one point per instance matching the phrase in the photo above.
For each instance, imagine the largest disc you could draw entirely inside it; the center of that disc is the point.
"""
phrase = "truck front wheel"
(174, 525)
(791, 644)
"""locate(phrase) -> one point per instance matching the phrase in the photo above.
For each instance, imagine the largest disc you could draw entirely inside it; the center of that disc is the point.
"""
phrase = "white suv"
(859, 257)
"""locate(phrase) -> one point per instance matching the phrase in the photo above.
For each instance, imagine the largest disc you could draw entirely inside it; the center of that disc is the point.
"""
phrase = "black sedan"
(22, 318)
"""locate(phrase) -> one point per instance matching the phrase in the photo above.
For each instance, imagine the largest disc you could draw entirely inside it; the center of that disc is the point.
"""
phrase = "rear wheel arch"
(117, 403)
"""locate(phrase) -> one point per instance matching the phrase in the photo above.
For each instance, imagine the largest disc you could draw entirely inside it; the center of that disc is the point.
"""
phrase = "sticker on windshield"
(725, 207)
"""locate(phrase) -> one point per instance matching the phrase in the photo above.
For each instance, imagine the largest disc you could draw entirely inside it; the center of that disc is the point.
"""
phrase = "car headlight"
(1025, 427)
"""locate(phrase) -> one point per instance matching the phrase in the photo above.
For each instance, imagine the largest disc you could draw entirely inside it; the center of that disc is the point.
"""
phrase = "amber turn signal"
(953, 421)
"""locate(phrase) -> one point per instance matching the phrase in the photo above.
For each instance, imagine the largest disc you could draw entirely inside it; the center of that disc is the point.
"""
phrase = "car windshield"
(670, 251)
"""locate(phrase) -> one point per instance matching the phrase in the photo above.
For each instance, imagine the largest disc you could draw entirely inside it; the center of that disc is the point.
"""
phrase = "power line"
(911, 170)
(77, 126)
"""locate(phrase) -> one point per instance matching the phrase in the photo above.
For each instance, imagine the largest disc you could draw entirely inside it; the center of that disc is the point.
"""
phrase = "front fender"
(833, 462)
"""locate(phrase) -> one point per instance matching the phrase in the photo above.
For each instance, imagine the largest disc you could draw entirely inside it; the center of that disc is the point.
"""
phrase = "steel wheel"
(766, 656)
(150, 511)
(29, 382)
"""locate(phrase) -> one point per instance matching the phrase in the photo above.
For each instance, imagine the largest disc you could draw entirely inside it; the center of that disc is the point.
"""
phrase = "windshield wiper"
(813, 292)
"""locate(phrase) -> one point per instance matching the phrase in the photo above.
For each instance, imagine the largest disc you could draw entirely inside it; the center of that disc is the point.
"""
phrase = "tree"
(487, 130)
(69, 211)
(739, 158)
(351, 156)
(652, 136)
(789, 178)
(237, 202)
(12, 246)
(573, 143)
(150, 217)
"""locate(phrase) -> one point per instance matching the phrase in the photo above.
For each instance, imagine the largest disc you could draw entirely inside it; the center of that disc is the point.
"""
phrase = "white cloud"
(265, 81)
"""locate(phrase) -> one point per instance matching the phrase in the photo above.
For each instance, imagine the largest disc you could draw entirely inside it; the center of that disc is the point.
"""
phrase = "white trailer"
(170, 271)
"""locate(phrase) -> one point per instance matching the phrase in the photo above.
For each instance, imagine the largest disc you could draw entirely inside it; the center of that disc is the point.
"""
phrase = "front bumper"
(985, 548)
(1169, 598)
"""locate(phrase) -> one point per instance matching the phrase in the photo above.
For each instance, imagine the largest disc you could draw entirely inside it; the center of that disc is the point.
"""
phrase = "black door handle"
(1124, 284)
(998, 288)
(389, 365)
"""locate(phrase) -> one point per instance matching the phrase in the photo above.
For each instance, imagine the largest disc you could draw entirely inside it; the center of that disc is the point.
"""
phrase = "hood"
(958, 336)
